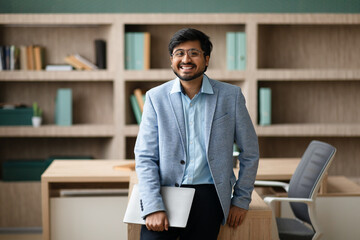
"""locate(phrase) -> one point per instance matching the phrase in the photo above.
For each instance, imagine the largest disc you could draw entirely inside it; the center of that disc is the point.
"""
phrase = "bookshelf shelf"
(80, 130)
(309, 130)
(131, 130)
(307, 74)
(48, 76)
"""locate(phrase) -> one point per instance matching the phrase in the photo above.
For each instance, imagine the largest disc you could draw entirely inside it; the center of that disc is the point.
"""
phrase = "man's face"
(188, 61)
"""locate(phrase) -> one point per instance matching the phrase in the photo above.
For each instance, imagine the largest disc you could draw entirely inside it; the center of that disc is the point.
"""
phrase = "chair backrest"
(307, 178)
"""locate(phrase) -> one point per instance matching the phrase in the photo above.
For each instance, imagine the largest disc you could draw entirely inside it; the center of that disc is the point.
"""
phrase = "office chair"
(302, 191)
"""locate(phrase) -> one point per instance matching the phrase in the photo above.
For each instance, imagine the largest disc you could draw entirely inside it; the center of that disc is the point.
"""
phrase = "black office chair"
(302, 191)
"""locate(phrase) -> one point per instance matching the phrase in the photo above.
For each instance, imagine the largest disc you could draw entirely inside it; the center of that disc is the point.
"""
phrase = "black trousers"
(204, 220)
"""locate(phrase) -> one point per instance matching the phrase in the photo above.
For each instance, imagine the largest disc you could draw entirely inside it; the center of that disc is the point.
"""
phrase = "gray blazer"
(160, 145)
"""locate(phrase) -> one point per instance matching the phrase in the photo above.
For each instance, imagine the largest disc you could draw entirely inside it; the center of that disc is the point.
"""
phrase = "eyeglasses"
(192, 52)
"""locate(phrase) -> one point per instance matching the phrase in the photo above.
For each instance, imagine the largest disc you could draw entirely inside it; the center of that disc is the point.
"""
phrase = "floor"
(26, 236)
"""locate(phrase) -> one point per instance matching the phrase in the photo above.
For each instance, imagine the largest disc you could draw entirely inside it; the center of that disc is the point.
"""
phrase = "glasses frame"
(186, 51)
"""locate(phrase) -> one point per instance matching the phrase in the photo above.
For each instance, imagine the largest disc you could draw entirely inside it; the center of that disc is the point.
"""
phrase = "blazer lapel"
(210, 107)
(177, 108)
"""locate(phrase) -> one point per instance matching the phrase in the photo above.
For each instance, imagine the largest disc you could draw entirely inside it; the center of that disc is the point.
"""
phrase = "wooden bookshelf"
(310, 61)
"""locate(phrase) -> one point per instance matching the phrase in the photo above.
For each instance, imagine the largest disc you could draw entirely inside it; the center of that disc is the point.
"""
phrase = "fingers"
(166, 226)
(236, 216)
(157, 222)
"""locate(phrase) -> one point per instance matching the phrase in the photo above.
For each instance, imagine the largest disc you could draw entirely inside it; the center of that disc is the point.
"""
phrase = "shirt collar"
(205, 87)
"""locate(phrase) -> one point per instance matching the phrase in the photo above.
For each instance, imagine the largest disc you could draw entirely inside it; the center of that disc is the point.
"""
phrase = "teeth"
(187, 68)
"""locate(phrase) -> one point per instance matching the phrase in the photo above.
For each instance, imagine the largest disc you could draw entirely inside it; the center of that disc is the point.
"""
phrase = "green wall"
(179, 6)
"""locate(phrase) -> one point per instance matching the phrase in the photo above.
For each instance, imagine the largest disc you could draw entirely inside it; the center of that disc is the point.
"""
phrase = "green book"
(230, 50)
(136, 108)
(63, 107)
(240, 51)
(264, 106)
(128, 50)
(139, 43)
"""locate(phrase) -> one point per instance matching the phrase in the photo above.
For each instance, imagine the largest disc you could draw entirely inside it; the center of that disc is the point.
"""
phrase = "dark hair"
(191, 34)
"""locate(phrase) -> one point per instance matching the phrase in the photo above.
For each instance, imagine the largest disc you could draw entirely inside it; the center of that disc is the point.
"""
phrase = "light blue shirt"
(197, 169)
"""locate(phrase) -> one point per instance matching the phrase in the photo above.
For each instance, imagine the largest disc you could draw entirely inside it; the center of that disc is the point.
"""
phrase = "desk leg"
(134, 231)
(45, 209)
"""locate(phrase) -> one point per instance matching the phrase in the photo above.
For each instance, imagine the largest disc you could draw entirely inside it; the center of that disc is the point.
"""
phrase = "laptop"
(177, 202)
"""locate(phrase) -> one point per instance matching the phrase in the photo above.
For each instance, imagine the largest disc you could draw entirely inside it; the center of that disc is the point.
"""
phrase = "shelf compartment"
(45, 147)
(59, 41)
(306, 46)
(129, 89)
(20, 205)
(293, 147)
(129, 146)
(50, 76)
(92, 101)
(44, 131)
(162, 33)
(314, 102)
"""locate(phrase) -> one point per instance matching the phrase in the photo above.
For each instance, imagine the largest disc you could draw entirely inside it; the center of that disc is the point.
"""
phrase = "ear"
(207, 59)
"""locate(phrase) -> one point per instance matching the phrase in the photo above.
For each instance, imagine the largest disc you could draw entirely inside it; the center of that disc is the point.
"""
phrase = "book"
(63, 107)
(7, 57)
(58, 68)
(240, 51)
(73, 62)
(2, 58)
(137, 50)
(264, 106)
(139, 98)
(136, 108)
(100, 53)
(230, 50)
(236, 50)
(39, 57)
(128, 50)
(23, 58)
(87, 64)
(30, 58)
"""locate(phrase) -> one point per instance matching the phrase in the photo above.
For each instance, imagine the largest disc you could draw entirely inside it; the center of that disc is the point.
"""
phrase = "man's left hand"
(236, 216)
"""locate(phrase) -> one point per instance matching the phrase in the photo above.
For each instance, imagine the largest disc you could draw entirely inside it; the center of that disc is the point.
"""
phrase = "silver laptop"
(177, 203)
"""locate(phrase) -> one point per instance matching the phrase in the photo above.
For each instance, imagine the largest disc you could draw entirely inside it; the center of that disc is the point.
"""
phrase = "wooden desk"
(257, 224)
(80, 174)
(276, 169)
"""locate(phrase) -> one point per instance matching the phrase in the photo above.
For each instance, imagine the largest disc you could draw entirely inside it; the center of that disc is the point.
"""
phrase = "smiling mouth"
(187, 67)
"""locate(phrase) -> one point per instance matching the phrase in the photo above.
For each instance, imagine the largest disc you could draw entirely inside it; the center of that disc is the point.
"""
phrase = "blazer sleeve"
(147, 161)
(247, 141)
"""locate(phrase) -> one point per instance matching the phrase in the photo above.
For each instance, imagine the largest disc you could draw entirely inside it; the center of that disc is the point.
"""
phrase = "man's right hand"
(157, 221)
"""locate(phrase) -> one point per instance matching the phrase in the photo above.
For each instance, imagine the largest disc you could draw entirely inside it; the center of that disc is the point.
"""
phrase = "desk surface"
(88, 171)
(117, 170)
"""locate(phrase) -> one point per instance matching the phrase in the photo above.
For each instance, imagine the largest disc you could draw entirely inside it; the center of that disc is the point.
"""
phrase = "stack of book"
(137, 50)
(22, 57)
(137, 100)
(236, 50)
(80, 63)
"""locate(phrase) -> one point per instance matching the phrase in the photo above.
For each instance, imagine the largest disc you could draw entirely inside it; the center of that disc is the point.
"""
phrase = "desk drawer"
(88, 217)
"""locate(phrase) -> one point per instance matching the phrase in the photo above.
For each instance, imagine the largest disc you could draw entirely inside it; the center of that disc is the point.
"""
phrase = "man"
(186, 139)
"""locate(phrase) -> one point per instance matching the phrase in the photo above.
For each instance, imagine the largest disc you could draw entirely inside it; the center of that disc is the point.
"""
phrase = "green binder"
(63, 107)
(265, 106)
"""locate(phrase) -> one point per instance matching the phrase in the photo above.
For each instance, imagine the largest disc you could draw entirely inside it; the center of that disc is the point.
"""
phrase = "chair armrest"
(272, 184)
(269, 200)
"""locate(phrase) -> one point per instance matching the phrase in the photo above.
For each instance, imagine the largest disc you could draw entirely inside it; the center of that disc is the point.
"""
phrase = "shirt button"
(182, 162)
(176, 184)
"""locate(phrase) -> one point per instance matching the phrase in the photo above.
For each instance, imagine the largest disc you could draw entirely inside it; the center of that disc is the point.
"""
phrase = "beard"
(190, 77)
